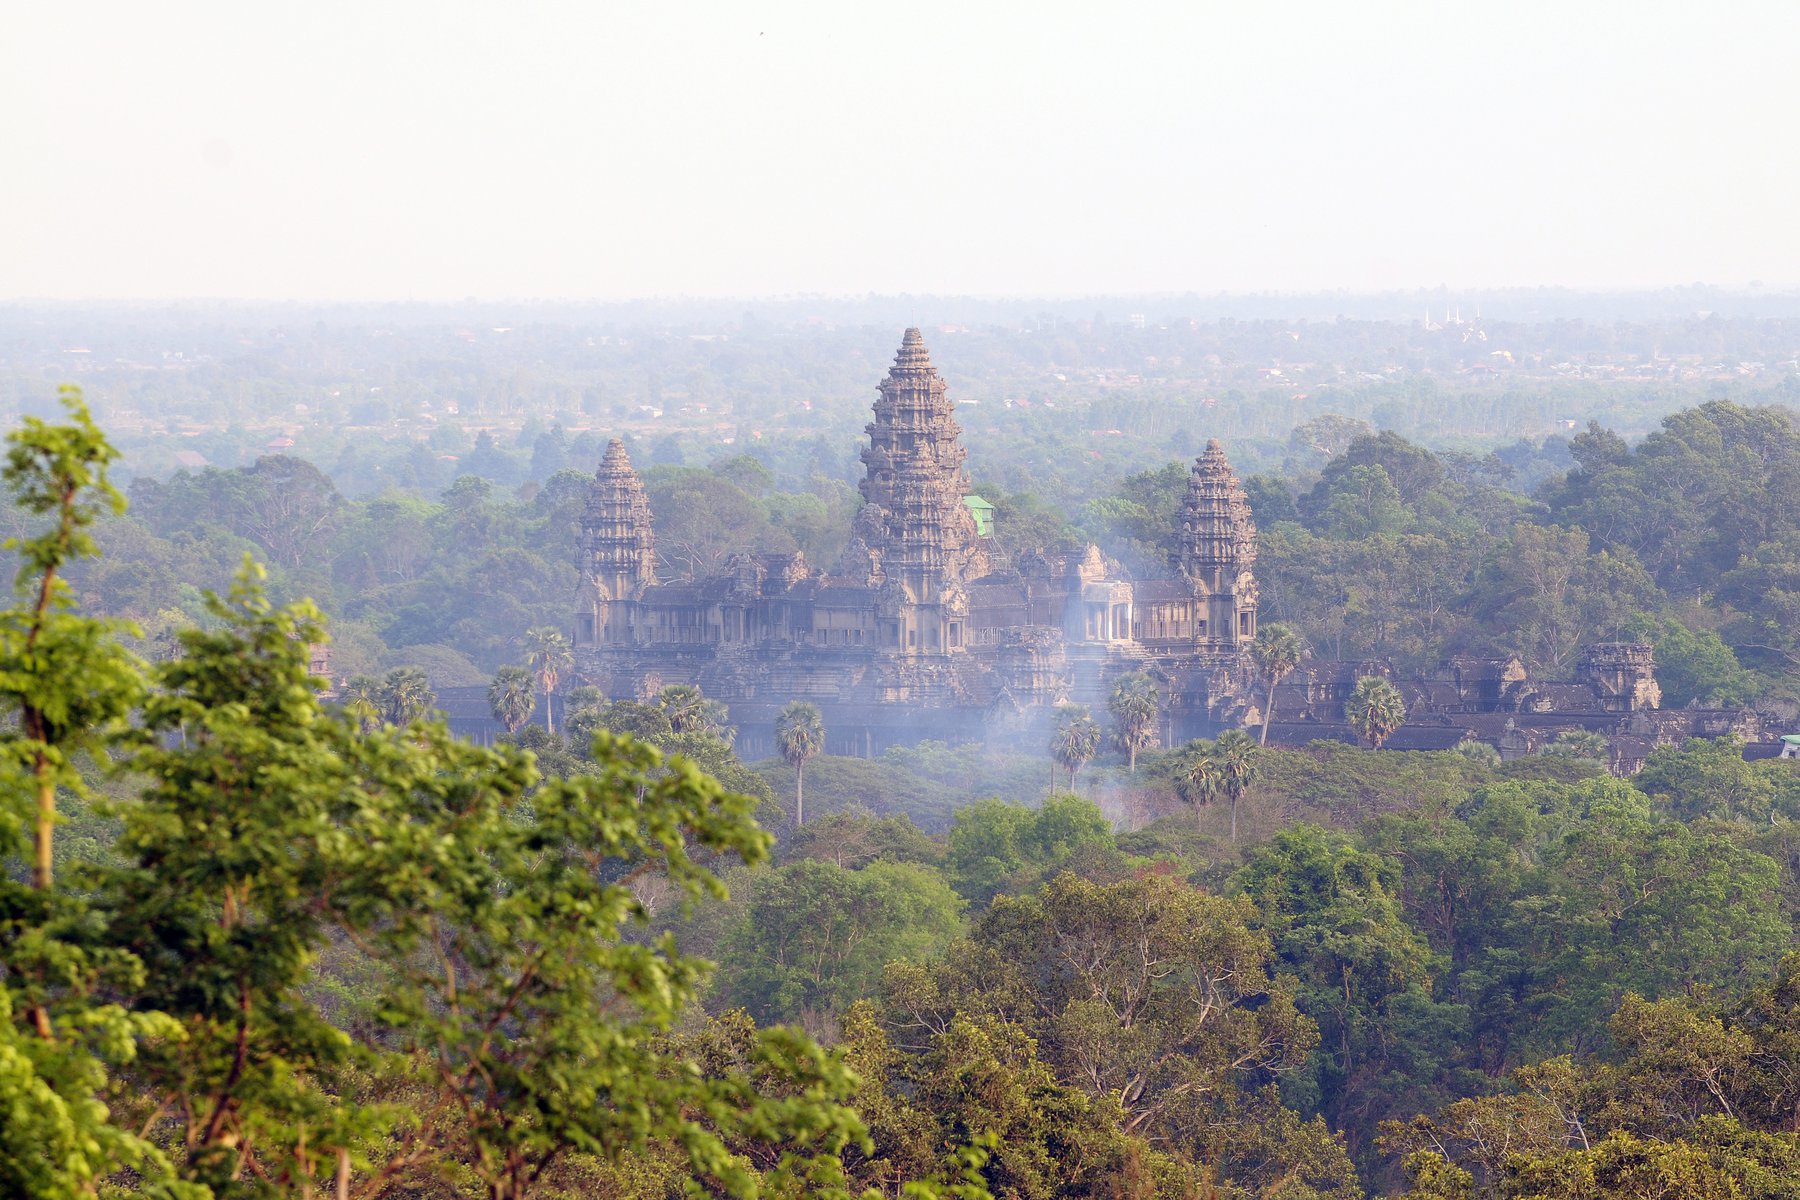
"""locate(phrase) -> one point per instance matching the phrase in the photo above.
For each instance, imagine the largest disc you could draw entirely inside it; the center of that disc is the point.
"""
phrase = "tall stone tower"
(617, 549)
(914, 539)
(1217, 552)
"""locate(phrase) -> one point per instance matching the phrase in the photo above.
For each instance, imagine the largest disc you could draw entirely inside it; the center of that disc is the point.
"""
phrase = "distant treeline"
(394, 396)
(252, 945)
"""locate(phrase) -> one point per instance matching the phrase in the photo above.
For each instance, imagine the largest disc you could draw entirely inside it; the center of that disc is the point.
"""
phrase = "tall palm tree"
(1375, 709)
(1134, 705)
(1076, 741)
(407, 695)
(1236, 754)
(1202, 778)
(548, 655)
(1276, 651)
(363, 699)
(510, 697)
(799, 737)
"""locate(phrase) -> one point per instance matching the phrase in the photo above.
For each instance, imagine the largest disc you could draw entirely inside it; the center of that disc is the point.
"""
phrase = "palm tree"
(682, 703)
(799, 737)
(407, 695)
(363, 699)
(1578, 743)
(547, 653)
(1480, 752)
(1276, 651)
(1202, 778)
(688, 709)
(1236, 754)
(1134, 704)
(510, 697)
(1375, 709)
(1076, 741)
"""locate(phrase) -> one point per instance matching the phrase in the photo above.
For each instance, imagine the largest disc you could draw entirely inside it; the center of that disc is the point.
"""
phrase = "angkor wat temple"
(926, 628)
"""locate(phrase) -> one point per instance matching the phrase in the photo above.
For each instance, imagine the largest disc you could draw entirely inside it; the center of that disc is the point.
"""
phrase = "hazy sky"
(379, 150)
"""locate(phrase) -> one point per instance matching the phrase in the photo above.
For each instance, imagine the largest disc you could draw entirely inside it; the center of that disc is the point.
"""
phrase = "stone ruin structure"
(1495, 700)
(918, 631)
(914, 632)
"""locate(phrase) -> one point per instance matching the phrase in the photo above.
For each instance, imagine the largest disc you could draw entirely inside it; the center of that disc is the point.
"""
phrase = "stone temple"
(917, 630)
(924, 628)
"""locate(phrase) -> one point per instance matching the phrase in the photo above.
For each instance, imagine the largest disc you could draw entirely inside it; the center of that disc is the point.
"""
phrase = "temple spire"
(912, 355)
(1218, 535)
(913, 527)
(617, 542)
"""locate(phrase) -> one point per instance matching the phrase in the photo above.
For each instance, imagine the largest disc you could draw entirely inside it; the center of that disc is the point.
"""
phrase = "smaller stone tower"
(617, 549)
(1217, 552)
(1622, 674)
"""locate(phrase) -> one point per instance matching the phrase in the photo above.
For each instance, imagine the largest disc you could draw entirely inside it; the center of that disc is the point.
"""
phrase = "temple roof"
(616, 540)
(912, 355)
(615, 459)
(1218, 536)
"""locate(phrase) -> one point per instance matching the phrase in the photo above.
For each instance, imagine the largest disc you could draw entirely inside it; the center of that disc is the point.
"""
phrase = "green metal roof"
(983, 512)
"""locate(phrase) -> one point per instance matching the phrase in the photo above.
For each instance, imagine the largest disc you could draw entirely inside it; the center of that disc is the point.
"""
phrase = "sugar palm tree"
(1202, 778)
(1076, 741)
(548, 655)
(407, 695)
(799, 737)
(1276, 651)
(1134, 704)
(1375, 709)
(688, 709)
(1480, 752)
(363, 699)
(1236, 753)
(510, 697)
(1578, 743)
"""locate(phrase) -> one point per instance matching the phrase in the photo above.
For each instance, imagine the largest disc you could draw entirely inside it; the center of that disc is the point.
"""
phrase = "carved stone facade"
(617, 549)
(1496, 701)
(913, 632)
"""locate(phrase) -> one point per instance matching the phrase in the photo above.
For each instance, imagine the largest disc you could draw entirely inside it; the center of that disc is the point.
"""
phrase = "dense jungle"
(261, 938)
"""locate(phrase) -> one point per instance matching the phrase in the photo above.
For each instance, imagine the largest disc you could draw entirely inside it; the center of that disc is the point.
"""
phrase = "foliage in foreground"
(166, 1020)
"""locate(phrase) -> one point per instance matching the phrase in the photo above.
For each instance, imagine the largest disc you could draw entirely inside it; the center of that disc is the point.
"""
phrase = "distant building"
(914, 632)
(921, 629)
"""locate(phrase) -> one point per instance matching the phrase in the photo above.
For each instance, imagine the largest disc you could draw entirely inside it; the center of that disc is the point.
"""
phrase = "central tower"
(914, 539)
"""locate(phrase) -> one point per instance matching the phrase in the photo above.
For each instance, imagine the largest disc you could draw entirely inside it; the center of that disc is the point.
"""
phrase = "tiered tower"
(617, 548)
(1217, 552)
(914, 538)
